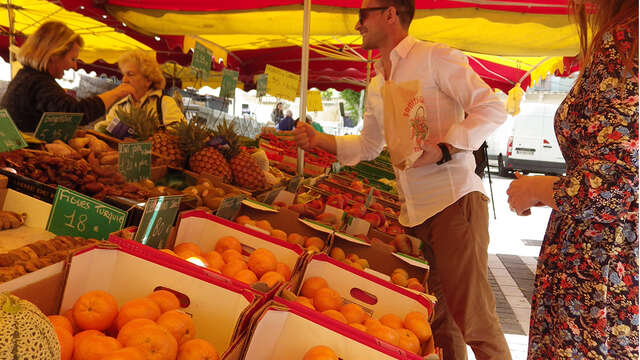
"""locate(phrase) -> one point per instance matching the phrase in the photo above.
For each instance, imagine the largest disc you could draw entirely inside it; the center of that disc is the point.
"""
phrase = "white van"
(532, 146)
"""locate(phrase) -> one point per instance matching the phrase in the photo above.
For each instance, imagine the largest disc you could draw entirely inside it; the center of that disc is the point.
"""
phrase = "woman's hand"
(528, 191)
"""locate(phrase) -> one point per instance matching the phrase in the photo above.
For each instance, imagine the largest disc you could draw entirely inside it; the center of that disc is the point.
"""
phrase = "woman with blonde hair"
(45, 55)
(141, 70)
(585, 302)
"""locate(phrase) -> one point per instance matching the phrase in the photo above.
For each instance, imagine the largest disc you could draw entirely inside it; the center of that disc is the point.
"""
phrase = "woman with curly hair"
(585, 302)
(141, 70)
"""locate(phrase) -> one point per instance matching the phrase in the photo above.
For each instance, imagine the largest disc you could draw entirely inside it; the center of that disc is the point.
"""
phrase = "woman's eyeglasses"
(364, 12)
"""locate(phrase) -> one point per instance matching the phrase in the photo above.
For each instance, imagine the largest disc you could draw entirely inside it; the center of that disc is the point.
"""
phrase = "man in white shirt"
(443, 200)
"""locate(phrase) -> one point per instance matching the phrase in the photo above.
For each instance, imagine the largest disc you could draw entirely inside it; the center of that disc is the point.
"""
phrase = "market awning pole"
(304, 76)
(12, 38)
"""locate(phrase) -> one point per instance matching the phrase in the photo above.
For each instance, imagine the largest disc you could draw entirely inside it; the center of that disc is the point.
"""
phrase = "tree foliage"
(352, 103)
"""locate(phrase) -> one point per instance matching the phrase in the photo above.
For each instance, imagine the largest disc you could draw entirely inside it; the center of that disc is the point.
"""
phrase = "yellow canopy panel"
(478, 30)
(101, 41)
(539, 66)
(189, 79)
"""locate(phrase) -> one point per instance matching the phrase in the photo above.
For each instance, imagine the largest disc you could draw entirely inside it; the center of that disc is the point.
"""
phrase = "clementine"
(279, 234)
(246, 276)
(415, 314)
(165, 299)
(264, 225)
(359, 326)
(271, 278)
(327, 299)
(419, 327)
(197, 349)
(83, 335)
(385, 334)
(155, 342)
(187, 246)
(214, 259)
(392, 321)
(129, 329)
(233, 267)
(69, 315)
(315, 242)
(311, 285)
(336, 315)
(353, 313)
(284, 270)
(228, 242)
(244, 219)
(65, 338)
(320, 352)
(262, 261)
(126, 353)
(179, 324)
(407, 340)
(95, 347)
(296, 238)
(305, 301)
(95, 310)
(61, 321)
(141, 308)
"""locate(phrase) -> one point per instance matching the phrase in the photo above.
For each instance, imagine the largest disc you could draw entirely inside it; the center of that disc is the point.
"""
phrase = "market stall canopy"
(101, 41)
(495, 27)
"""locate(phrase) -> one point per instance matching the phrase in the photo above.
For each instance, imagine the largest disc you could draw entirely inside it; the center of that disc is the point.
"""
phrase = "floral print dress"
(585, 302)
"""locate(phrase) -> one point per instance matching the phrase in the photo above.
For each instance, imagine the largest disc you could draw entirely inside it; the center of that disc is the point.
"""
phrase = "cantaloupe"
(25, 332)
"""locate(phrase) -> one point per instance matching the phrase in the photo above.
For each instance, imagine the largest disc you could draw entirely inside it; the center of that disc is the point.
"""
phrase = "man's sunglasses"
(364, 12)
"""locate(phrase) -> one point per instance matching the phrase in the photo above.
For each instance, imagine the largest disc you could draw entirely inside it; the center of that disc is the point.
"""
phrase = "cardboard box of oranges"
(130, 272)
(278, 328)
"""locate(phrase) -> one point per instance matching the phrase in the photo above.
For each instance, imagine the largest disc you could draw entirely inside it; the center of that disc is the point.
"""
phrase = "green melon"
(25, 332)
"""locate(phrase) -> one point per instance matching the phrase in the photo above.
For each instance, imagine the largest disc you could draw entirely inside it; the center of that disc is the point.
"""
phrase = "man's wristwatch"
(446, 154)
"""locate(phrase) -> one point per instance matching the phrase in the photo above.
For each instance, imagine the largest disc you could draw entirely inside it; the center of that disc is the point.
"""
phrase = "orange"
(141, 308)
(359, 326)
(336, 315)
(126, 353)
(214, 259)
(315, 242)
(83, 335)
(65, 338)
(305, 301)
(407, 340)
(262, 261)
(296, 238)
(233, 267)
(338, 254)
(246, 276)
(166, 300)
(197, 349)
(244, 219)
(168, 251)
(353, 313)
(419, 327)
(372, 323)
(229, 254)
(264, 225)
(311, 285)
(271, 278)
(392, 321)
(385, 334)
(187, 246)
(320, 352)
(69, 315)
(130, 328)
(399, 278)
(228, 242)
(95, 347)
(61, 321)
(415, 314)
(179, 324)
(327, 299)
(279, 234)
(284, 270)
(155, 342)
(95, 310)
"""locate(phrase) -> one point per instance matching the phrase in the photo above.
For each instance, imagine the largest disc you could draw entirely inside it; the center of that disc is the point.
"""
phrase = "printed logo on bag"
(415, 112)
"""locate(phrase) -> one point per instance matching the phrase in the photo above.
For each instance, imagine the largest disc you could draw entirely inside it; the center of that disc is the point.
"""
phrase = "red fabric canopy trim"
(525, 6)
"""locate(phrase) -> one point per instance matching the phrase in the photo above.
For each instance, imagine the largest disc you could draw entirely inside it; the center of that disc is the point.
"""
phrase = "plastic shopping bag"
(405, 123)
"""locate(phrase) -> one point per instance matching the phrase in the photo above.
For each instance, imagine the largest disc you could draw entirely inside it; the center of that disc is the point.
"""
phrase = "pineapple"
(144, 121)
(202, 159)
(245, 169)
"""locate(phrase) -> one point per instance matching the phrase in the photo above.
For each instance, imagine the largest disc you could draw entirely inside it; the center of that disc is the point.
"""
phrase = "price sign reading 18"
(75, 214)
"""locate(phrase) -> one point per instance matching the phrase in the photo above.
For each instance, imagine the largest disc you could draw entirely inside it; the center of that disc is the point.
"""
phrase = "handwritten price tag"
(134, 160)
(10, 138)
(229, 207)
(201, 60)
(281, 83)
(76, 214)
(229, 81)
(57, 126)
(157, 220)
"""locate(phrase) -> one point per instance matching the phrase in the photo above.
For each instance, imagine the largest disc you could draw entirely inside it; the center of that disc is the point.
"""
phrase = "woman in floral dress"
(585, 302)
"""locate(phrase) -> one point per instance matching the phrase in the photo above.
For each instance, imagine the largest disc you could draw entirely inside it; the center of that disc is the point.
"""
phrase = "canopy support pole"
(12, 38)
(304, 76)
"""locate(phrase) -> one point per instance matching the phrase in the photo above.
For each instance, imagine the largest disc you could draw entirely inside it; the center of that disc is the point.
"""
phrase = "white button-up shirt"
(450, 89)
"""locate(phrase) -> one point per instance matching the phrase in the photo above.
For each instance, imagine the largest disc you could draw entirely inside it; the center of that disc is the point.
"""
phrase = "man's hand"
(305, 135)
(431, 154)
